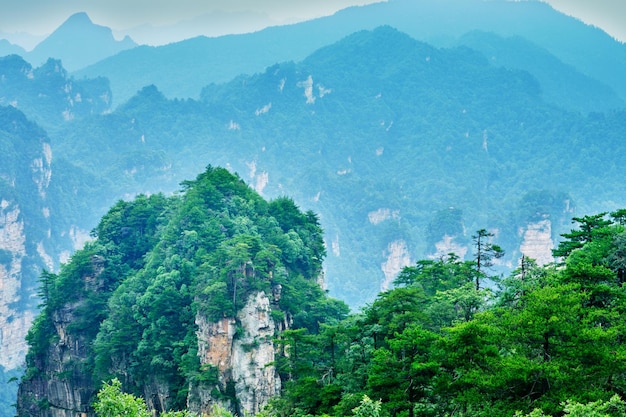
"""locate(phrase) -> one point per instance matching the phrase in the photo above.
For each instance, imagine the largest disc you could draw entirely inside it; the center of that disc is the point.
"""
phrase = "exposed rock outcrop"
(61, 388)
(397, 257)
(537, 241)
(13, 322)
(242, 350)
(448, 245)
(382, 214)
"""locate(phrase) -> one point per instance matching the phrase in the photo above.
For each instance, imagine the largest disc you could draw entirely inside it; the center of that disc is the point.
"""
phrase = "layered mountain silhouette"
(183, 68)
(47, 94)
(450, 117)
(7, 48)
(562, 84)
(378, 133)
(77, 43)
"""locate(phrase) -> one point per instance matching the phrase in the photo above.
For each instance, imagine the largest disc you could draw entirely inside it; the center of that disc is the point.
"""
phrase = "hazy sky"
(41, 17)
(610, 15)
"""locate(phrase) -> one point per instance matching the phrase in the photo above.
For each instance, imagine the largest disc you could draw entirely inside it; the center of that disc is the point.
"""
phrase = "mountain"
(47, 95)
(399, 145)
(25, 246)
(78, 42)
(7, 48)
(404, 148)
(33, 235)
(183, 68)
(201, 283)
(25, 41)
(561, 84)
(44, 199)
(216, 23)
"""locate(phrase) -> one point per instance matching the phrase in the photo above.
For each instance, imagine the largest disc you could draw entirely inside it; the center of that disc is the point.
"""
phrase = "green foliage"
(589, 228)
(433, 345)
(441, 152)
(448, 124)
(547, 343)
(157, 264)
(485, 254)
(112, 402)
(614, 407)
(367, 408)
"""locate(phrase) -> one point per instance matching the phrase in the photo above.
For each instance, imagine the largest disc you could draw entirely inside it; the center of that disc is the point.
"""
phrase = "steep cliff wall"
(25, 173)
(177, 298)
(537, 241)
(61, 390)
(59, 386)
(242, 350)
(397, 257)
(31, 238)
(13, 323)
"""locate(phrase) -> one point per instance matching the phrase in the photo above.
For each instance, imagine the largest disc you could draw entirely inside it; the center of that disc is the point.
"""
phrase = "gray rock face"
(13, 324)
(62, 388)
(242, 351)
(24, 233)
(537, 241)
(253, 372)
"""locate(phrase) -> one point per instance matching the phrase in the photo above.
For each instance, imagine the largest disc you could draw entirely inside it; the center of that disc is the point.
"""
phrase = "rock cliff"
(25, 238)
(31, 236)
(537, 241)
(181, 299)
(13, 322)
(242, 350)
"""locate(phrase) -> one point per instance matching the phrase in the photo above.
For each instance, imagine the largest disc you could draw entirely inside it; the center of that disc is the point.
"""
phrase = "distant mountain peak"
(79, 42)
(80, 22)
(80, 17)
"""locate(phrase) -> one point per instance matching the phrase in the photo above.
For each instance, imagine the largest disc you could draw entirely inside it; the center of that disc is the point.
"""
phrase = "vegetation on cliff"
(125, 305)
(379, 133)
(389, 139)
(542, 341)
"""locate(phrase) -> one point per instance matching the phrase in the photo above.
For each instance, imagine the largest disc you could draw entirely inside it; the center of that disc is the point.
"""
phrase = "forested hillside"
(47, 94)
(183, 68)
(384, 136)
(548, 340)
(166, 304)
(152, 298)
(365, 156)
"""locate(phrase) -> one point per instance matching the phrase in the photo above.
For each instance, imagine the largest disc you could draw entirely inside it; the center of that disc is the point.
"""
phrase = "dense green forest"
(450, 338)
(543, 338)
(378, 122)
(127, 302)
(381, 142)
(542, 341)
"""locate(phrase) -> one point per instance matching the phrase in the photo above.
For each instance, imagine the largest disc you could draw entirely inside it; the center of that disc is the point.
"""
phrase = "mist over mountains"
(533, 66)
(405, 125)
(200, 61)
(78, 42)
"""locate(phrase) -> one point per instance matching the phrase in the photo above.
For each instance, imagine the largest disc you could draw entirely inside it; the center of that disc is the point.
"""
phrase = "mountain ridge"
(78, 42)
(399, 144)
(361, 127)
(439, 23)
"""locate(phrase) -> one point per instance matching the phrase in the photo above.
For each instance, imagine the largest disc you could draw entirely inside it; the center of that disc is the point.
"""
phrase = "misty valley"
(403, 209)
